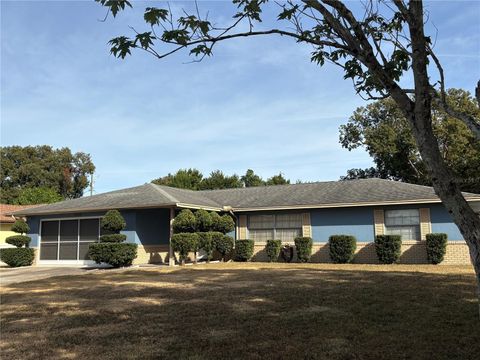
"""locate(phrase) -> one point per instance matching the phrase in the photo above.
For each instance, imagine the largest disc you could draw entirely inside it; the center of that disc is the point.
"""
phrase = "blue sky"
(257, 103)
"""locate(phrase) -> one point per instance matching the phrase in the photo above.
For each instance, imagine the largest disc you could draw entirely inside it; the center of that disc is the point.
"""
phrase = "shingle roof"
(6, 210)
(320, 194)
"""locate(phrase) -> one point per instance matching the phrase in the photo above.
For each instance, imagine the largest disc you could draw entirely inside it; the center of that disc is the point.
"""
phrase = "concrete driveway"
(21, 274)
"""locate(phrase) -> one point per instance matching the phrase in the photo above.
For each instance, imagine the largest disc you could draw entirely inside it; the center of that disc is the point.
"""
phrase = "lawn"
(246, 311)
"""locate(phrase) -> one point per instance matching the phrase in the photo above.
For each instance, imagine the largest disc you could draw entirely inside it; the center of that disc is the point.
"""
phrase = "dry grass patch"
(248, 311)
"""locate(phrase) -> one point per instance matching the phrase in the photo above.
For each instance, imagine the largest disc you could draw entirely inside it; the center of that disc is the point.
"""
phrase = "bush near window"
(273, 249)
(304, 248)
(342, 248)
(436, 247)
(20, 227)
(184, 222)
(203, 220)
(114, 254)
(243, 249)
(18, 240)
(16, 257)
(183, 243)
(223, 244)
(113, 222)
(388, 248)
(113, 238)
(225, 224)
(206, 243)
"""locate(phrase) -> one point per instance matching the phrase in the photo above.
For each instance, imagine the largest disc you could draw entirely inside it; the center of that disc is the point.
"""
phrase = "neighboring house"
(7, 220)
(364, 208)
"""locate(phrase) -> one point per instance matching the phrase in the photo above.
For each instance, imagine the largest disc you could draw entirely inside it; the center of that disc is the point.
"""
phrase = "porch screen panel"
(49, 240)
(89, 233)
(68, 240)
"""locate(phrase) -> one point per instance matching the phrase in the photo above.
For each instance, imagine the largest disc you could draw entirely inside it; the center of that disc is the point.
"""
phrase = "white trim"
(192, 206)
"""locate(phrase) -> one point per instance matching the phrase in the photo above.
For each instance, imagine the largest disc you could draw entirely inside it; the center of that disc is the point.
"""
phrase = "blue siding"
(442, 222)
(356, 221)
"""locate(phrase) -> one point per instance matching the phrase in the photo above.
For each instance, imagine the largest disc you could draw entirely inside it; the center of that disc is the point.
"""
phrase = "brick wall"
(155, 254)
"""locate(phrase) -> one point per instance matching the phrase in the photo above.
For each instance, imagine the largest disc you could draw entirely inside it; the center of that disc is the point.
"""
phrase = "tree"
(251, 179)
(382, 129)
(375, 47)
(218, 180)
(277, 180)
(183, 178)
(43, 167)
(37, 195)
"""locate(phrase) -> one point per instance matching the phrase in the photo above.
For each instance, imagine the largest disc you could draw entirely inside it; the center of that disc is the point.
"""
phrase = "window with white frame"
(285, 227)
(403, 222)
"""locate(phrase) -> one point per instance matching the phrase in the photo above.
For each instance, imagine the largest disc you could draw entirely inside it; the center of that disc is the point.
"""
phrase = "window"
(403, 222)
(285, 227)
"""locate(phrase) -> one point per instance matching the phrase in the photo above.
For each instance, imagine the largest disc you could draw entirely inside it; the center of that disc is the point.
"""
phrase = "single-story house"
(62, 232)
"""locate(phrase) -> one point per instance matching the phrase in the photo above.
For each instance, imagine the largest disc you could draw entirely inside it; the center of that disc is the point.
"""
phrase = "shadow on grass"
(295, 311)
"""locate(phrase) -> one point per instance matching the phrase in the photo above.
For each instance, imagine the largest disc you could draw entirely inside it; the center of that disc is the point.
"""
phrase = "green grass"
(246, 311)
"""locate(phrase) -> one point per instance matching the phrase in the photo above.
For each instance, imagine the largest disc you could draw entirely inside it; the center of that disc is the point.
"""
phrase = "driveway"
(15, 275)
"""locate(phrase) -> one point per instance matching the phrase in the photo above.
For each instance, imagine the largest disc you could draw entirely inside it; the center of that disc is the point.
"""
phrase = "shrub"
(18, 240)
(273, 249)
(225, 224)
(304, 248)
(388, 248)
(113, 238)
(184, 222)
(203, 220)
(16, 257)
(115, 254)
(436, 247)
(223, 244)
(20, 227)
(243, 250)
(205, 240)
(113, 222)
(342, 248)
(183, 243)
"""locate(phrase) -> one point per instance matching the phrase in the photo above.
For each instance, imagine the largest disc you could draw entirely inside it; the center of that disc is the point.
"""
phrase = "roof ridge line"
(164, 193)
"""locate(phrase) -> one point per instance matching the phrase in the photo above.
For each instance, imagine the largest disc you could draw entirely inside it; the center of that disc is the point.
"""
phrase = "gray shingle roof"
(320, 194)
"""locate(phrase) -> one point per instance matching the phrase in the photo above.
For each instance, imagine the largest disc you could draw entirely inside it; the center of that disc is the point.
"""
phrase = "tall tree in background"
(382, 129)
(277, 180)
(39, 168)
(251, 179)
(183, 179)
(375, 47)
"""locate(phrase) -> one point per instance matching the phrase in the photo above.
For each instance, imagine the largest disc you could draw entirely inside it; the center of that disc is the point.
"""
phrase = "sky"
(258, 103)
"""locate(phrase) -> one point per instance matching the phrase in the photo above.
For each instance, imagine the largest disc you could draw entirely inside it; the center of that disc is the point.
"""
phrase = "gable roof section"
(6, 210)
(313, 195)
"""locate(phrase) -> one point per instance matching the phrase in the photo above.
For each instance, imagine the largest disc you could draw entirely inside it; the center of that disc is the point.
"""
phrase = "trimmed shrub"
(225, 224)
(273, 249)
(113, 222)
(113, 238)
(388, 248)
(183, 243)
(18, 240)
(184, 222)
(203, 220)
(205, 240)
(223, 244)
(20, 227)
(436, 247)
(16, 257)
(243, 249)
(342, 248)
(115, 254)
(304, 248)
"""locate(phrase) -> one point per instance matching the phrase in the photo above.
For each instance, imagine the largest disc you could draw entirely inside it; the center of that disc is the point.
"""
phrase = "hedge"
(113, 222)
(115, 254)
(205, 240)
(183, 243)
(16, 257)
(273, 249)
(203, 220)
(243, 249)
(18, 240)
(184, 222)
(20, 227)
(342, 248)
(113, 238)
(304, 248)
(436, 247)
(388, 248)
(223, 244)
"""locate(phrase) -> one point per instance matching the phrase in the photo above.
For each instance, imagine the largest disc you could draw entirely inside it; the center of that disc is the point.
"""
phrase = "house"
(6, 220)
(62, 232)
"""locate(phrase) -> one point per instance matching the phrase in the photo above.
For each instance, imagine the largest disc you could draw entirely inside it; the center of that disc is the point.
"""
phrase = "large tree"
(375, 46)
(382, 129)
(42, 167)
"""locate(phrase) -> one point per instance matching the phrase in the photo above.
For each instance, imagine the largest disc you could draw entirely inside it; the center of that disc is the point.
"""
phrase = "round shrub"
(20, 227)
(16, 257)
(205, 240)
(114, 254)
(243, 250)
(225, 224)
(184, 222)
(436, 247)
(113, 238)
(18, 240)
(183, 243)
(273, 249)
(113, 222)
(223, 244)
(342, 248)
(304, 248)
(388, 248)
(203, 220)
